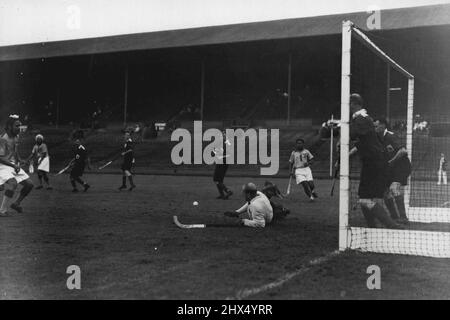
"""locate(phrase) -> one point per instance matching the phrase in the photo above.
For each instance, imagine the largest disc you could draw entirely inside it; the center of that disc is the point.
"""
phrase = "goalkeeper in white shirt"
(257, 212)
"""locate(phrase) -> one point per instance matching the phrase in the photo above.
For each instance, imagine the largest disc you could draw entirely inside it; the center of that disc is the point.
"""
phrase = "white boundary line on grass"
(245, 293)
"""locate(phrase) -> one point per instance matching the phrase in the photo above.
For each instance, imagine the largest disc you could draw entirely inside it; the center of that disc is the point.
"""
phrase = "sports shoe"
(4, 214)
(122, 187)
(220, 197)
(49, 188)
(39, 187)
(86, 187)
(17, 208)
(315, 195)
(403, 221)
(131, 187)
(229, 194)
(312, 199)
(75, 190)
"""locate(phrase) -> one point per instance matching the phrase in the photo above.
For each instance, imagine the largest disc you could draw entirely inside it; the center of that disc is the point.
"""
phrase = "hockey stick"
(65, 168)
(200, 226)
(288, 191)
(113, 159)
(335, 176)
(105, 165)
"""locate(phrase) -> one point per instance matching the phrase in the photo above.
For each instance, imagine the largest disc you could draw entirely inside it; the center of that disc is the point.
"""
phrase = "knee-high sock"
(306, 188)
(220, 188)
(379, 212)
(389, 202)
(80, 181)
(130, 178)
(369, 216)
(311, 186)
(45, 176)
(444, 175)
(400, 202)
(72, 182)
(124, 181)
(225, 188)
(7, 198)
(23, 193)
(40, 178)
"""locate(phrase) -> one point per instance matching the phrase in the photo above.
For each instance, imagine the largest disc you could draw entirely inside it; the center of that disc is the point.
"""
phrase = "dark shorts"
(400, 172)
(126, 166)
(374, 179)
(219, 172)
(77, 171)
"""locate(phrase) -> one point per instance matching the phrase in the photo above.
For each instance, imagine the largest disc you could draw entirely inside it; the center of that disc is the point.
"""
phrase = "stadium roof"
(425, 16)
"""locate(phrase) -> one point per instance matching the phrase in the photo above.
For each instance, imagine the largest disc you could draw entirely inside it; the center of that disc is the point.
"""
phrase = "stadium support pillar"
(125, 99)
(388, 92)
(344, 185)
(58, 98)
(288, 121)
(202, 89)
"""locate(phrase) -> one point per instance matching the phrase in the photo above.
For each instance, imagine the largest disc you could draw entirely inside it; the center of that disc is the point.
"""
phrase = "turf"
(128, 247)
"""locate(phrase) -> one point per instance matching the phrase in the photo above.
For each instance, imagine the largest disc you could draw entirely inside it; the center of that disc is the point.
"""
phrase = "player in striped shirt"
(299, 165)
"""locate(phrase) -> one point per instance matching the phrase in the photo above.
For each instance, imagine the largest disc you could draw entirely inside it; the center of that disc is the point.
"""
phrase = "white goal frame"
(434, 244)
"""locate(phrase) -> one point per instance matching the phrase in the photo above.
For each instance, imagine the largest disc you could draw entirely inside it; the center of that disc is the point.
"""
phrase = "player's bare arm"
(10, 164)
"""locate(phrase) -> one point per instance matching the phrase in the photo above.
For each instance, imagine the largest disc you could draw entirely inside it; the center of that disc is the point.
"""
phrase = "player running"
(374, 179)
(10, 172)
(128, 160)
(40, 158)
(220, 170)
(399, 169)
(299, 165)
(78, 165)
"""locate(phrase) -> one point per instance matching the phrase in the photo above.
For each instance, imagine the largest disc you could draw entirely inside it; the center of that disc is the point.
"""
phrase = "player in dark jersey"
(128, 160)
(399, 169)
(79, 164)
(374, 178)
(220, 170)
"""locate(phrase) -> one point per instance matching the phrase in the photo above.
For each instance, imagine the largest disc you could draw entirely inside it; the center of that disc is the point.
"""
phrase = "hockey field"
(127, 247)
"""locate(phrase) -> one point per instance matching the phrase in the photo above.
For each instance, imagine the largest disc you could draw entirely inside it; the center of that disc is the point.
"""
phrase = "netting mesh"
(426, 197)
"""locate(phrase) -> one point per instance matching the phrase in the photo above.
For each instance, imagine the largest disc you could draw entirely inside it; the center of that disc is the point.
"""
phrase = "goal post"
(418, 237)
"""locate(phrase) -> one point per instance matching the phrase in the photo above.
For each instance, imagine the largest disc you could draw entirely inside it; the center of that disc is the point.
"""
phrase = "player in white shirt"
(299, 165)
(11, 175)
(40, 157)
(442, 171)
(257, 212)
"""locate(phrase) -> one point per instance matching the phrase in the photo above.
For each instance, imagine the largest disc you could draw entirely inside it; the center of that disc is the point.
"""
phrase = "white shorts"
(303, 174)
(44, 165)
(7, 173)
